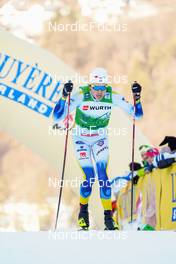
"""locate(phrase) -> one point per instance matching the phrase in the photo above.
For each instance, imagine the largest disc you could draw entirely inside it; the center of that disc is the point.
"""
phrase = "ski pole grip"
(69, 92)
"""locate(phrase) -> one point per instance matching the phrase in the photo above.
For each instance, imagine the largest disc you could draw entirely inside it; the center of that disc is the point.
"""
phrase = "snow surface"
(88, 247)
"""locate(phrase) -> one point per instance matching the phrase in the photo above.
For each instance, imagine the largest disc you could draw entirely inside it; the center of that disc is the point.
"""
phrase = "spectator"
(143, 149)
(166, 157)
(171, 144)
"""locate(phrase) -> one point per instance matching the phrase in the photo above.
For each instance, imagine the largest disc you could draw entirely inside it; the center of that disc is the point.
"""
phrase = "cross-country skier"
(93, 105)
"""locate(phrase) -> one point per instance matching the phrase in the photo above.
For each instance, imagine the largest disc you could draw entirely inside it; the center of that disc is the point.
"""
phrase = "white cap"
(98, 75)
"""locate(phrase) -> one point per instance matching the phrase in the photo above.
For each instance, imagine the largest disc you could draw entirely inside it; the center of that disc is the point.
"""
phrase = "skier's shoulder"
(117, 96)
(79, 92)
(84, 89)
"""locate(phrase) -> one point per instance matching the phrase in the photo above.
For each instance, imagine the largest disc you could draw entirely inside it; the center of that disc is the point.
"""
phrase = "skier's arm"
(61, 108)
(120, 101)
(164, 160)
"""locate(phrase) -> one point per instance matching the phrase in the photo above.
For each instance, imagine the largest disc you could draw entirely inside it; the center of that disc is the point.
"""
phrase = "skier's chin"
(98, 97)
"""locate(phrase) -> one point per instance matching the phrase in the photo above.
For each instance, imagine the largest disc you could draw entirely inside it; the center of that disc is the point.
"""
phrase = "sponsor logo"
(83, 154)
(174, 214)
(100, 107)
(81, 149)
(100, 143)
(104, 148)
(107, 96)
(86, 96)
(79, 142)
(85, 107)
(94, 107)
(90, 135)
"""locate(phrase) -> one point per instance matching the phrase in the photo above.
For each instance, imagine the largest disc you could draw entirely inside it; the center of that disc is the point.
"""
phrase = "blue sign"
(16, 77)
(25, 99)
(174, 214)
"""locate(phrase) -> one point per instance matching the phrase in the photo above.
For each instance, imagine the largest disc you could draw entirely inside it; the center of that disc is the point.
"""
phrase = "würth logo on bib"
(93, 107)
(100, 107)
(85, 107)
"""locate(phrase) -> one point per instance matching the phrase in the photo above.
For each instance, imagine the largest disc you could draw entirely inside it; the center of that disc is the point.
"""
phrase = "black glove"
(136, 89)
(135, 179)
(68, 87)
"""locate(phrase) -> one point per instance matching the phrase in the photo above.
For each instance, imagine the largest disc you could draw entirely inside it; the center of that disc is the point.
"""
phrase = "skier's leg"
(83, 155)
(101, 155)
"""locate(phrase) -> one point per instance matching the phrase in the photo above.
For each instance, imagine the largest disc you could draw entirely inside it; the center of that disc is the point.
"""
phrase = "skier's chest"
(94, 108)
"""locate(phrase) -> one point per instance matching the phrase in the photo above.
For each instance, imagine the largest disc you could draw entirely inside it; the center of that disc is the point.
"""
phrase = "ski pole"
(64, 163)
(133, 145)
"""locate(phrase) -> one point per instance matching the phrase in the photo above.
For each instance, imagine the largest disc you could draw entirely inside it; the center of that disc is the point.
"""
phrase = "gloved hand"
(68, 87)
(136, 90)
(135, 179)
